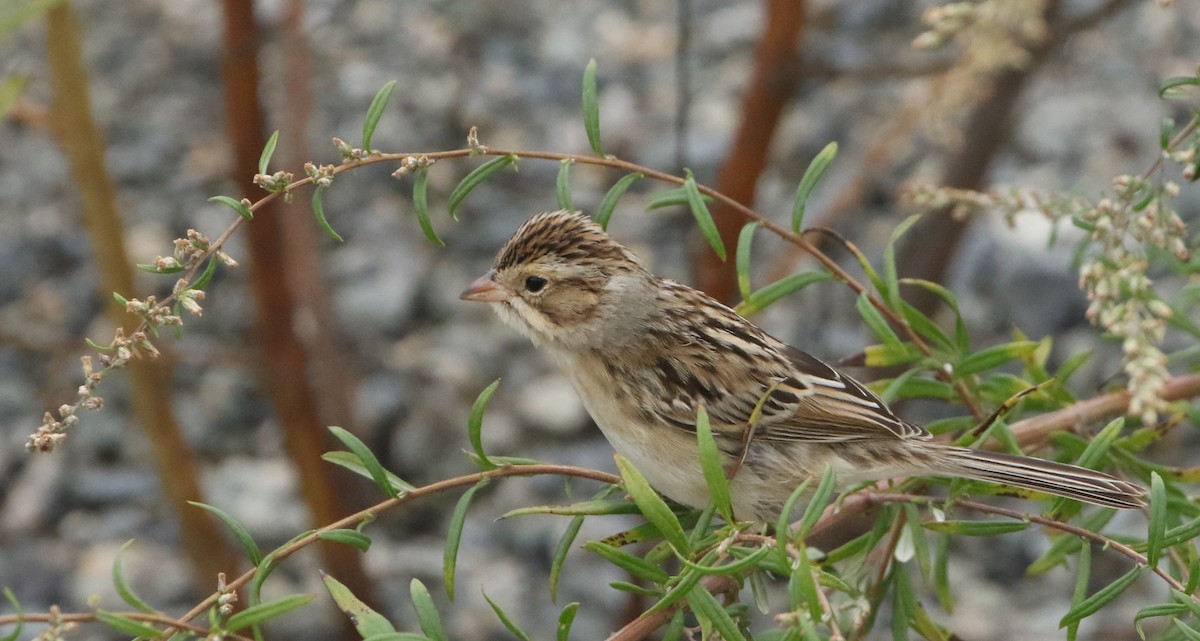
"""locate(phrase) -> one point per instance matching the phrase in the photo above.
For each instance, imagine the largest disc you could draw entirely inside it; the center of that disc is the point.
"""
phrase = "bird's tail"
(1071, 481)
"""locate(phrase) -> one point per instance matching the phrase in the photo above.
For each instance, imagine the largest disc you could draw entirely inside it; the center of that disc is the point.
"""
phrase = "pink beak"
(486, 290)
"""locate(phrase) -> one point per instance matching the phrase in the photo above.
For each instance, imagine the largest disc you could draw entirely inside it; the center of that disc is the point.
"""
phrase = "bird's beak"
(485, 289)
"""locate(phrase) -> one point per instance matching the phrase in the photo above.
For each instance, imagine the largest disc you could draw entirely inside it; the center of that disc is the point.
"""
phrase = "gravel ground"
(420, 356)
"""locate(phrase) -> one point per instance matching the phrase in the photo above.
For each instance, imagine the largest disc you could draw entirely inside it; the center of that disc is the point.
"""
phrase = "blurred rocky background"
(397, 358)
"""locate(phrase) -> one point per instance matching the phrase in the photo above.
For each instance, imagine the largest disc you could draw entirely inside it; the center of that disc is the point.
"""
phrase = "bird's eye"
(534, 284)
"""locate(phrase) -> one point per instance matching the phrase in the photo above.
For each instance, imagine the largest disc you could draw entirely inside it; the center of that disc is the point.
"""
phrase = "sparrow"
(645, 353)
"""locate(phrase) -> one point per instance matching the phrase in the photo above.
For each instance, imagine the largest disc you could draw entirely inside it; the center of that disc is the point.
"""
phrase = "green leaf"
(925, 326)
(256, 614)
(591, 108)
(876, 323)
(500, 614)
(633, 588)
(318, 208)
(700, 212)
(205, 276)
(1171, 86)
(353, 538)
(1101, 598)
(421, 205)
(239, 531)
(745, 240)
(785, 286)
(268, 150)
(560, 554)
(454, 536)
(1187, 630)
(1180, 533)
(635, 565)
(710, 464)
(729, 569)
(802, 587)
(565, 619)
(1160, 610)
(154, 269)
(920, 545)
(351, 462)
(609, 204)
(127, 594)
(475, 425)
(994, 356)
(1065, 546)
(674, 629)
(892, 354)
(1158, 519)
(367, 458)
(397, 636)
(783, 522)
(683, 586)
(816, 506)
(475, 179)
(812, 175)
(672, 197)
(427, 614)
(941, 574)
(235, 205)
(375, 112)
(653, 507)
(126, 625)
(890, 277)
(366, 621)
(706, 607)
(16, 606)
(562, 184)
(595, 507)
(976, 528)
(960, 327)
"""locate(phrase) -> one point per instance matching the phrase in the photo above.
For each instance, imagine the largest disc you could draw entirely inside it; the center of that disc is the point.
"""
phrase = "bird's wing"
(806, 400)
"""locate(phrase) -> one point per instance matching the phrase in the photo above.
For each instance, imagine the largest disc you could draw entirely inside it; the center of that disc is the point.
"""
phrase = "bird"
(645, 353)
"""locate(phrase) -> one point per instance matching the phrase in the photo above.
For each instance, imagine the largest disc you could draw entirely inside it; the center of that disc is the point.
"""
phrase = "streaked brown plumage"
(645, 352)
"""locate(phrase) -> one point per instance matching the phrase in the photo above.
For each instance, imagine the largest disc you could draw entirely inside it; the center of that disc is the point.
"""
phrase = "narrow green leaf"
(269, 562)
(351, 462)
(710, 464)
(235, 205)
(591, 108)
(1158, 519)
(565, 619)
(475, 424)
(876, 323)
(994, 356)
(375, 112)
(703, 217)
(16, 606)
(635, 565)
(500, 614)
(960, 327)
(397, 636)
(1181, 533)
(1101, 598)
(1082, 576)
(671, 198)
(609, 204)
(920, 545)
(475, 179)
(812, 175)
(633, 588)
(239, 531)
(745, 240)
(729, 569)
(268, 150)
(454, 537)
(890, 277)
(1160, 610)
(353, 538)
(595, 507)
(802, 587)
(705, 605)
(653, 507)
(816, 506)
(975, 528)
(318, 208)
(766, 296)
(674, 629)
(560, 554)
(123, 589)
(1170, 86)
(153, 269)
(256, 614)
(925, 326)
(367, 458)
(205, 277)
(903, 603)
(421, 205)
(1065, 546)
(783, 522)
(892, 354)
(941, 574)
(683, 587)
(1187, 630)
(126, 625)
(427, 614)
(562, 184)
(366, 621)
